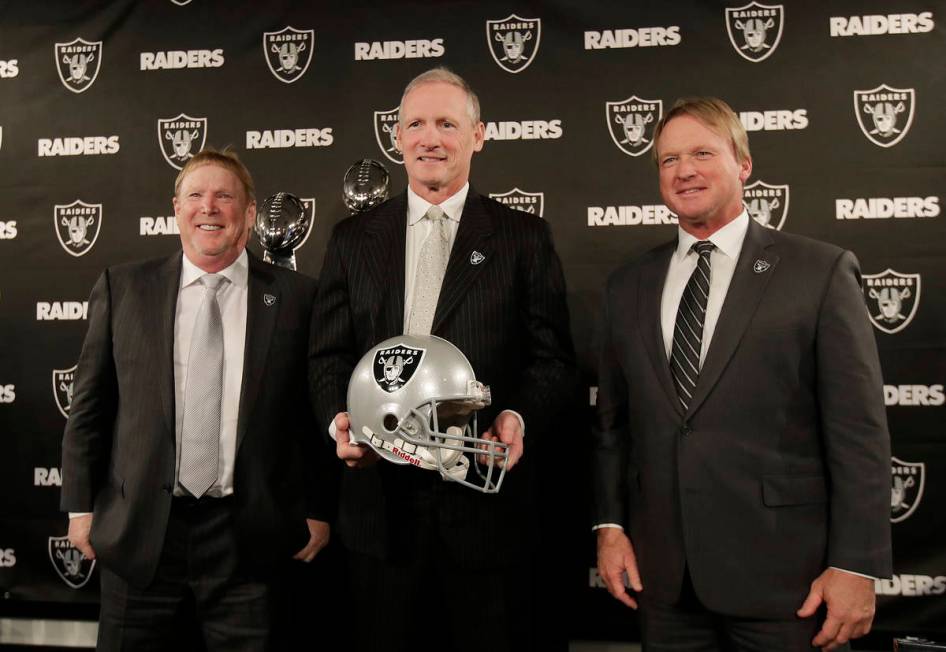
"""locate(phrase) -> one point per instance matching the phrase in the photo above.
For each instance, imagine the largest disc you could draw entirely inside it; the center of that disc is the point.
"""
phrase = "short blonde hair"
(715, 114)
(226, 159)
(443, 75)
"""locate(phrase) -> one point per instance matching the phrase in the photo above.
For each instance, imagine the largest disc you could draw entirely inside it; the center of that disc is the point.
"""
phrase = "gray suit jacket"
(781, 465)
(118, 448)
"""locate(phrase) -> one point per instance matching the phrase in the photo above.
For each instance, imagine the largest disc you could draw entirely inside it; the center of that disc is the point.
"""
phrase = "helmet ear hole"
(390, 422)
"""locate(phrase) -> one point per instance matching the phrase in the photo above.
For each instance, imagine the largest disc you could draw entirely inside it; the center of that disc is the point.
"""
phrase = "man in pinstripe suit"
(413, 539)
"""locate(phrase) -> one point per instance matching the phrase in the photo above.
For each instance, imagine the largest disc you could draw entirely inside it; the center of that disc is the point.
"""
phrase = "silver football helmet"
(413, 399)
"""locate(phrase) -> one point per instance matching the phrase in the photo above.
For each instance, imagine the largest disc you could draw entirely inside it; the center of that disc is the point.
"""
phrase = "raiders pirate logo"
(631, 123)
(755, 29)
(767, 204)
(885, 113)
(395, 366)
(527, 202)
(308, 203)
(513, 41)
(77, 226)
(78, 63)
(63, 383)
(385, 132)
(180, 138)
(892, 299)
(906, 489)
(73, 567)
(288, 52)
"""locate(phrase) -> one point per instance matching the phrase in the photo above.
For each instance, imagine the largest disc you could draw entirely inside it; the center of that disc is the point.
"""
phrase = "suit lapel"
(756, 265)
(164, 296)
(263, 302)
(384, 243)
(652, 278)
(469, 256)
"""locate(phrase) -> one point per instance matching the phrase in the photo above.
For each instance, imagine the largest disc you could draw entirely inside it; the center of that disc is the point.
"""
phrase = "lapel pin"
(476, 258)
(269, 299)
(760, 266)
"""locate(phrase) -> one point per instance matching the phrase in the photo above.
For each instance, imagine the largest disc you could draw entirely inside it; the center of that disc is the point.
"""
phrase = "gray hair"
(444, 76)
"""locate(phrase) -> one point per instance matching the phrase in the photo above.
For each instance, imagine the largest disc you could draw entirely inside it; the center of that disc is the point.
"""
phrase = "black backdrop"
(843, 101)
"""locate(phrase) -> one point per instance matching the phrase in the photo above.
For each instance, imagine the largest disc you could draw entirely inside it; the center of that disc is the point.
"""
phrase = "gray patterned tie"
(203, 392)
(431, 265)
(688, 330)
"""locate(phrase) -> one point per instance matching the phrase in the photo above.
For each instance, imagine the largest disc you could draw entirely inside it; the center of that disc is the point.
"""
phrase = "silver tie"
(203, 392)
(431, 266)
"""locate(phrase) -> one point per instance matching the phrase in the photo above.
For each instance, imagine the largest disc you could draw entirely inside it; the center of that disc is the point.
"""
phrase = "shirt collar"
(728, 240)
(237, 272)
(452, 206)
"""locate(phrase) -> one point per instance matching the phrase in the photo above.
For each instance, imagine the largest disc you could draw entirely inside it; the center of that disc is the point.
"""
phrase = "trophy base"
(280, 260)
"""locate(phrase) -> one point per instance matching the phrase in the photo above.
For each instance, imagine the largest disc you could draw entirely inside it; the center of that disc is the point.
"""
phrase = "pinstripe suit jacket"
(507, 314)
(780, 466)
(119, 449)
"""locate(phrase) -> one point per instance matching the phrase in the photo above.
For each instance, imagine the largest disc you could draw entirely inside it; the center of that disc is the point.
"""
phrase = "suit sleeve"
(854, 427)
(331, 355)
(609, 433)
(86, 445)
(549, 379)
(320, 468)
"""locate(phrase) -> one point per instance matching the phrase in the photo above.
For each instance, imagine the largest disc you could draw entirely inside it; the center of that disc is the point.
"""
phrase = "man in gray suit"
(741, 452)
(190, 466)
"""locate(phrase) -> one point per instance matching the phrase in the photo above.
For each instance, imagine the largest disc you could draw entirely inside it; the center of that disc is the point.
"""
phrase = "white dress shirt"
(232, 299)
(417, 231)
(728, 241)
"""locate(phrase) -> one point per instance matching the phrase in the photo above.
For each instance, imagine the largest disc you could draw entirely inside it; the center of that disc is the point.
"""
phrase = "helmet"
(413, 399)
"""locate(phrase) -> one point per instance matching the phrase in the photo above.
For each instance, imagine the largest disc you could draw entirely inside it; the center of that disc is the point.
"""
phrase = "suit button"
(685, 430)
(166, 488)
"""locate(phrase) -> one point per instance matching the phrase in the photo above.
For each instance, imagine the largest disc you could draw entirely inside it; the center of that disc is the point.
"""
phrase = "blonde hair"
(226, 159)
(715, 114)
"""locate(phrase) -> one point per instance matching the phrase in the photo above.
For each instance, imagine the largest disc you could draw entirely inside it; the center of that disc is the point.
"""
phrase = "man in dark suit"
(741, 453)
(433, 563)
(189, 461)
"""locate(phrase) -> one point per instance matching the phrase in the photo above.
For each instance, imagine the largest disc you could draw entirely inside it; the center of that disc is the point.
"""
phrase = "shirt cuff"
(844, 570)
(75, 514)
(522, 423)
(604, 525)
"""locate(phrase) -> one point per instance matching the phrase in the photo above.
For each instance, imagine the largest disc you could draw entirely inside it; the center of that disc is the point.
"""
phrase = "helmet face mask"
(414, 401)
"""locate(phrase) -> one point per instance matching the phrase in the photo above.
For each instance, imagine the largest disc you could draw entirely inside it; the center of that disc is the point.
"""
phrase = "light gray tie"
(203, 392)
(431, 266)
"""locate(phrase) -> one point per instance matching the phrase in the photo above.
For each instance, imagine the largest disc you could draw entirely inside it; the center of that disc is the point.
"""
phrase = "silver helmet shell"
(414, 399)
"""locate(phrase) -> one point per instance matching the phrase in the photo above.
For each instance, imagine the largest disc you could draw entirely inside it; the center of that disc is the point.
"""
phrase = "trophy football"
(281, 225)
(366, 184)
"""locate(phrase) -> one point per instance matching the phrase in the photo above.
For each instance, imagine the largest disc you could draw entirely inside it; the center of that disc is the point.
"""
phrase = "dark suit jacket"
(118, 449)
(507, 314)
(781, 465)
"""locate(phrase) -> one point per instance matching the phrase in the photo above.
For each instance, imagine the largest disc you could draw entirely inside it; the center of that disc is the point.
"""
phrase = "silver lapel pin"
(760, 266)
(269, 299)
(476, 258)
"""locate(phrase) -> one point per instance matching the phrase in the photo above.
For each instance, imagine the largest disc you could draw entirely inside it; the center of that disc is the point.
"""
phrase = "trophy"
(366, 184)
(281, 225)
